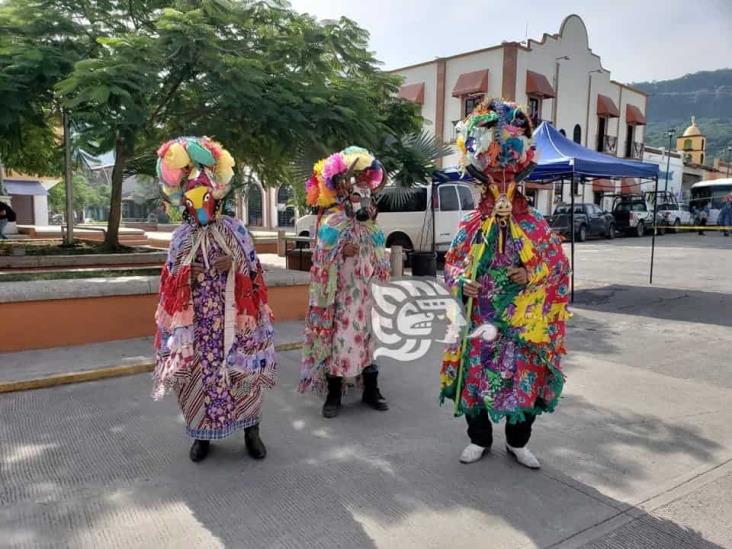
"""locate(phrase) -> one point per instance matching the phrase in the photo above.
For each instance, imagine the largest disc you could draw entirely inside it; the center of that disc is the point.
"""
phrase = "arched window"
(577, 134)
(285, 211)
(254, 206)
(563, 132)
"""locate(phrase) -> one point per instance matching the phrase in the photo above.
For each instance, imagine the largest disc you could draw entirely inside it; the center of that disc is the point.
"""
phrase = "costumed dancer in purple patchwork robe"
(215, 341)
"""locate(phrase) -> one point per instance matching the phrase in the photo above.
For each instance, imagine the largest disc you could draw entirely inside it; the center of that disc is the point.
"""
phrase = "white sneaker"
(524, 456)
(472, 453)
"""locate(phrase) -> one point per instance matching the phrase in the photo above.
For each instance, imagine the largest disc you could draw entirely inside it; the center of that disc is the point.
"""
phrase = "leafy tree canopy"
(269, 83)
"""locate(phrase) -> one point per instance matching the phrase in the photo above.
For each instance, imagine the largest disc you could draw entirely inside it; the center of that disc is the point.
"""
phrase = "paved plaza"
(637, 455)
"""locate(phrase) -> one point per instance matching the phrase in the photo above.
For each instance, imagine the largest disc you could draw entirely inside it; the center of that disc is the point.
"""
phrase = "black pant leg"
(480, 429)
(518, 434)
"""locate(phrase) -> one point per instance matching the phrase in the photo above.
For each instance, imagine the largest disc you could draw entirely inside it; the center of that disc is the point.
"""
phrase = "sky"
(637, 40)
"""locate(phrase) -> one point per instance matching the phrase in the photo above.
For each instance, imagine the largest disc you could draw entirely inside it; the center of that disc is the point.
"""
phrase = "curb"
(100, 373)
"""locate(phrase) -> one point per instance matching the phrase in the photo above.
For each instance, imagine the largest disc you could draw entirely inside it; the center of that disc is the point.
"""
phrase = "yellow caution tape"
(695, 228)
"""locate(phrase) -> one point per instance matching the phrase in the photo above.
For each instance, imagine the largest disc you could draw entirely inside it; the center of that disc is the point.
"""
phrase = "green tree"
(38, 48)
(261, 78)
(84, 195)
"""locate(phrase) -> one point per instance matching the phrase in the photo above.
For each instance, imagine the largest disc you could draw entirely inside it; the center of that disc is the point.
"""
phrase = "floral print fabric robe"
(218, 380)
(519, 372)
(337, 336)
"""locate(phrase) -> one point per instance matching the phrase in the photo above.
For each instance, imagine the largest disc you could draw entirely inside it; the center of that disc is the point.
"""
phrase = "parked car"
(669, 210)
(589, 220)
(406, 218)
(634, 216)
(675, 215)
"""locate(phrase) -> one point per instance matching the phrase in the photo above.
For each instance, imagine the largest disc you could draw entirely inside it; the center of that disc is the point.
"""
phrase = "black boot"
(255, 446)
(199, 450)
(333, 401)
(371, 394)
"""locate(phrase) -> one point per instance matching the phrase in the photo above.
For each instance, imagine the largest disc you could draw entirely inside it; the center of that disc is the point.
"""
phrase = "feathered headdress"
(495, 141)
(188, 162)
(323, 187)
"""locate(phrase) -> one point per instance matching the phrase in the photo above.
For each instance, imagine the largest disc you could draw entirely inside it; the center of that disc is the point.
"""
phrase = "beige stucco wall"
(577, 82)
(426, 73)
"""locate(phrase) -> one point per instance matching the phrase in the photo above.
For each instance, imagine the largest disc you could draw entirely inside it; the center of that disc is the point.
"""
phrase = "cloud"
(667, 36)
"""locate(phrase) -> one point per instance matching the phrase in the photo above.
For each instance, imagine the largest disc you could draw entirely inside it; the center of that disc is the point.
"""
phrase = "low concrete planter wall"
(91, 260)
(42, 314)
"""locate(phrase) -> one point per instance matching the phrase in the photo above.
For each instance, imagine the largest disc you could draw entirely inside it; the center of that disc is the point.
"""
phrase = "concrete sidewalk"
(628, 463)
(637, 455)
(60, 365)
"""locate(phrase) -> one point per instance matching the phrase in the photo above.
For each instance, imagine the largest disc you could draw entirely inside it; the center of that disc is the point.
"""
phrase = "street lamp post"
(69, 236)
(729, 155)
(670, 133)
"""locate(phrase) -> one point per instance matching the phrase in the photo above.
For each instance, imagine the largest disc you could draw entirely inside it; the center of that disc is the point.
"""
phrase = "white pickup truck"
(634, 215)
(406, 219)
(675, 215)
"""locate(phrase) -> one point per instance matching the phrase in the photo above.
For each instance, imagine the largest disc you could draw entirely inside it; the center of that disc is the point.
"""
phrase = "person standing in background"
(703, 218)
(7, 215)
(725, 215)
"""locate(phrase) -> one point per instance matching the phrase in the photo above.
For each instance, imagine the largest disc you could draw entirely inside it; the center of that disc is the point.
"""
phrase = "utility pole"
(69, 240)
(670, 133)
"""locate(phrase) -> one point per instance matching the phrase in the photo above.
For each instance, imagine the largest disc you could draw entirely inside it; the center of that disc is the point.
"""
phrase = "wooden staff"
(477, 254)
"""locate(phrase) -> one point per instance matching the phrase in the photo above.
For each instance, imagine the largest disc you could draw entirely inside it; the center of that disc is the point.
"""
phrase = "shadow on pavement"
(100, 465)
(660, 303)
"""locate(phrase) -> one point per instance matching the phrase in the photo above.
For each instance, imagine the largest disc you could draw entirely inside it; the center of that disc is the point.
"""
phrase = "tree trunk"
(2, 178)
(111, 242)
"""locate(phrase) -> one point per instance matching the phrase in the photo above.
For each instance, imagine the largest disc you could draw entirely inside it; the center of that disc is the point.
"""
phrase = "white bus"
(710, 193)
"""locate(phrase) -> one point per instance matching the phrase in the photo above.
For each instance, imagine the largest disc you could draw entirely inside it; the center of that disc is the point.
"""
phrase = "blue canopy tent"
(561, 158)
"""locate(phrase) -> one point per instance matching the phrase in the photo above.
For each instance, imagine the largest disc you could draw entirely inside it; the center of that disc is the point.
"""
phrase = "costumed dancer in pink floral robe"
(349, 254)
(508, 267)
(215, 341)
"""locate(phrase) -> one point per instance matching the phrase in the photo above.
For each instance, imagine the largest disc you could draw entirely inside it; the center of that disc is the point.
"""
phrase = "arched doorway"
(577, 134)
(254, 206)
(285, 211)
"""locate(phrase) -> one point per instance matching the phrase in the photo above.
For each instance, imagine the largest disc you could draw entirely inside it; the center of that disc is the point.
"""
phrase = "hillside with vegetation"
(706, 95)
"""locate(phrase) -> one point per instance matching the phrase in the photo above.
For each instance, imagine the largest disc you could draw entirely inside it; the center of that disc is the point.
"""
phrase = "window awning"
(634, 116)
(606, 107)
(413, 92)
(538, 85)
(603, 186)
(26, 188)
(471, 82)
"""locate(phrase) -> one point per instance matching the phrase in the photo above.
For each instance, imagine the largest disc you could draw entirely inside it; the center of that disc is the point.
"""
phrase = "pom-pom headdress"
(188, 162)
(324, 187)
(495, 142)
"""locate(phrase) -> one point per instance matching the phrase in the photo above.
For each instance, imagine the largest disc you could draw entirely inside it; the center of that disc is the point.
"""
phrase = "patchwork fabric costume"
(516, 374)
(215, 340)
(337, 338)
(519, 372)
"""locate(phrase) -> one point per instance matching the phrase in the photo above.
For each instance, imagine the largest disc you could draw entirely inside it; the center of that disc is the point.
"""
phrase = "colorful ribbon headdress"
(495, 142)
(323, 188)
(188, 162)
